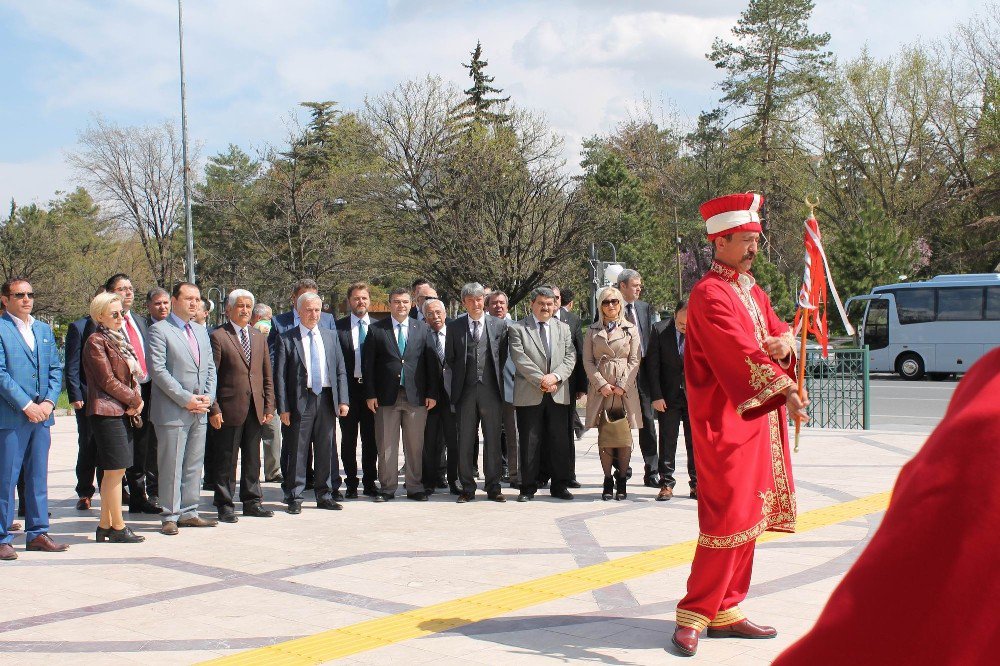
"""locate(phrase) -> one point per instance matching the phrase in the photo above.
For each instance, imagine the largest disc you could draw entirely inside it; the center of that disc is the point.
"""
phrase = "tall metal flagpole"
(188, 230)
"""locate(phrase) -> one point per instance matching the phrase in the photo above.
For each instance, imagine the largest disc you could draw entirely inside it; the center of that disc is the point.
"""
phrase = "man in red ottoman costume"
(739, 366)
(921, 591)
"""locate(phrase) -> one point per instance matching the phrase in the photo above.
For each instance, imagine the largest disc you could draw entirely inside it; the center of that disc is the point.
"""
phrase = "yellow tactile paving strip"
(372, 634)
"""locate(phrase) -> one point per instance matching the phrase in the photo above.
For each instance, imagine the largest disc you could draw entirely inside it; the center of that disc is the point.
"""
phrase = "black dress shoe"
(562, 494)
(351, 494)
(465, 498)
(573, 483)
(144, 506)
(274, 479)
(102, 534)
(417, 497)
(337, 495)
(329, 505)
(428, 491)
(294, 508)
(256, 510)
(371, 492)
(498, 497)
(525, 498)
(694, 493)
(454, 489)
(124, 535)
(441, 484)
(505, 474)
(228, 515)
(651, 480)
(83, 504)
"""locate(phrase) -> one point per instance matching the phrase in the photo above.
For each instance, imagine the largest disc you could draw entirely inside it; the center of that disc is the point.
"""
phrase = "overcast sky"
(583, 64)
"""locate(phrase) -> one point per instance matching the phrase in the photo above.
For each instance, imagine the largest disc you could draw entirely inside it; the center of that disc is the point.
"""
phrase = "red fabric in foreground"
(924, 589)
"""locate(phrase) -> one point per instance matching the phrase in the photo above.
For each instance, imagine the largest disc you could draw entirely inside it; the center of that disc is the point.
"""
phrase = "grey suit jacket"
(175, 375)
(528, 354)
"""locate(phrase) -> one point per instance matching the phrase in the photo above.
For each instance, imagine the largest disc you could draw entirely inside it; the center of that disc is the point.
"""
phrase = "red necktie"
(133, 338)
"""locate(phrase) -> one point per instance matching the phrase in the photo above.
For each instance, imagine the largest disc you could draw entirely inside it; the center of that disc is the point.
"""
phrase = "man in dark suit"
(401, 384)
(665, 360)
(578, 382)
(497, 305)
(76, 389)
(641, 314)
(244, 403)
(542, 350)
(310, 387)
(475, 353)
(440, 432)
(142, 476)
(290, 320)
(421, 290)
(352, 332)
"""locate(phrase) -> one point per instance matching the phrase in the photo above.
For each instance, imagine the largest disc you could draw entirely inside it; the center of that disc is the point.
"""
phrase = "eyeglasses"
(610, 301)
(23, 294)
(117, 314)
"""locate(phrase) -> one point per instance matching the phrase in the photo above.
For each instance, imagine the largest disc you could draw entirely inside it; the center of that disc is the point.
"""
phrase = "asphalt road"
(918, 406)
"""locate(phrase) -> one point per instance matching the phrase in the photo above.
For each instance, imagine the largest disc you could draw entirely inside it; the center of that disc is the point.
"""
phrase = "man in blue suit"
(184, 381)
(30, 381)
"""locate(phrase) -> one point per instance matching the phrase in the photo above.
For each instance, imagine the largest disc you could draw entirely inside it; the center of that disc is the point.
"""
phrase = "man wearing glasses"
(30, 381)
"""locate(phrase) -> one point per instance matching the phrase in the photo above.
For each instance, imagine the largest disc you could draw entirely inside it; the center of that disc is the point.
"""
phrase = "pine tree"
(478, 107)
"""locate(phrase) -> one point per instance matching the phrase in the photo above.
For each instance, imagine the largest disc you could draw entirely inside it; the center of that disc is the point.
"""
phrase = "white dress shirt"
(25, 330)
(355, 335)
(317, 339)
(482, 324)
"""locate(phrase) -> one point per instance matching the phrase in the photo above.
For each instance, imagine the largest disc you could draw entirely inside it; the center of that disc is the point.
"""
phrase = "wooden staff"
(802, 373)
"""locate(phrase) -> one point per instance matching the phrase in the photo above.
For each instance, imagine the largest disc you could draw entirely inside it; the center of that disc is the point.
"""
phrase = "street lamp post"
(601, 272)
(188, 228)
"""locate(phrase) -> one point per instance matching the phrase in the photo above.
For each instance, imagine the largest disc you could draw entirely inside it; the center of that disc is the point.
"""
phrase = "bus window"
(965, 304)
(914, 306)
(877, 325)
(993, 303)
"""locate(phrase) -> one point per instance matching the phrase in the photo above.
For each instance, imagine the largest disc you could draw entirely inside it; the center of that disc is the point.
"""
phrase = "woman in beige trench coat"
(611, 357)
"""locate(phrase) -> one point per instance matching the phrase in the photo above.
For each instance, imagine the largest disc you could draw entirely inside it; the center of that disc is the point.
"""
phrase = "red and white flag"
(811, 312)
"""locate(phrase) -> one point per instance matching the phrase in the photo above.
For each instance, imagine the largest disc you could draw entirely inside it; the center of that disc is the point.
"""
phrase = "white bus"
(939, 327)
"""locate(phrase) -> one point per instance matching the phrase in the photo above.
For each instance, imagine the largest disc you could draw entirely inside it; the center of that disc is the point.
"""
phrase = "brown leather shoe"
(83, 504)
(7, 552)
(685, 640)
(15, 527)
(665, 493)
(169, 528)
(196, 521)
(45, 544)
(742, 629)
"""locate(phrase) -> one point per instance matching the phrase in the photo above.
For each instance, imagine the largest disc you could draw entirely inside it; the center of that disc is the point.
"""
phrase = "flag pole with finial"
(801, 374)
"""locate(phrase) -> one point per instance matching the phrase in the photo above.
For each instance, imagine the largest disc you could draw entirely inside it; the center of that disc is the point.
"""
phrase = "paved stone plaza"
(210, 593)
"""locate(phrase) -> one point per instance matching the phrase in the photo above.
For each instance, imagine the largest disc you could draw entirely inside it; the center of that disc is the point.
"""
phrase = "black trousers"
(86, 457)
(647, 434)
(141, 476)
(440, 445)
(545, 423)
(670, 421)
(230, 441)
(315, 425)
(359, 420)
(480, 404)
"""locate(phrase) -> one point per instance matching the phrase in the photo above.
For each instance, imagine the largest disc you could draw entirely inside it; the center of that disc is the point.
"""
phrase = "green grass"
(63, 402)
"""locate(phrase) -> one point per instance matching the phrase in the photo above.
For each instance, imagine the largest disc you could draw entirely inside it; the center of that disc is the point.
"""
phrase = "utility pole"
(188, 228)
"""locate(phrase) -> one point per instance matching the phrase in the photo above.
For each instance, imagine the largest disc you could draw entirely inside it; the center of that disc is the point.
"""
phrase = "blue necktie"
(314, 367)
(362, 333)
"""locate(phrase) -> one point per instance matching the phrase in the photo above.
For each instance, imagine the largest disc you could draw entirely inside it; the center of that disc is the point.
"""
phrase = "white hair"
(430, 301)
(306, 297)
(237, 294)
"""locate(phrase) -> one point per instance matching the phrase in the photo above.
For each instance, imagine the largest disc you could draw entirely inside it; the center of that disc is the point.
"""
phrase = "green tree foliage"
(479, 107)
(779, 289)
(870, 250)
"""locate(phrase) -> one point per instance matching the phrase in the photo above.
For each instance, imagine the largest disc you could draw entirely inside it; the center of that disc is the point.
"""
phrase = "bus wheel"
(910, 366)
